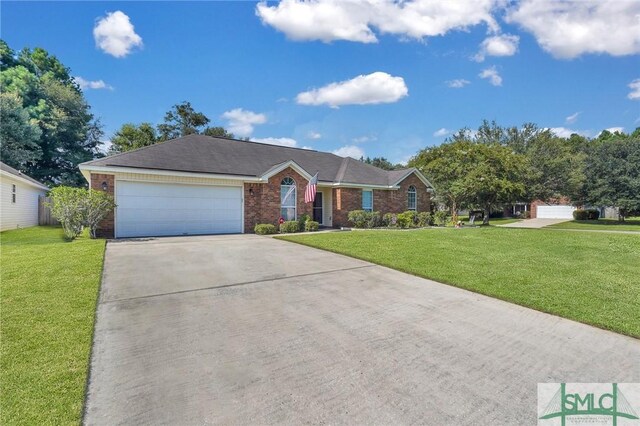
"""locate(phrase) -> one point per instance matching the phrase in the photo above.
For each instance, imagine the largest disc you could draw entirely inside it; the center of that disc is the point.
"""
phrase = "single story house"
(204, 185)
(19, 198)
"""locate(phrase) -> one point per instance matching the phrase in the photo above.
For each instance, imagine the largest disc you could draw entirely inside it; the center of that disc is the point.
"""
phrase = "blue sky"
(266, 70)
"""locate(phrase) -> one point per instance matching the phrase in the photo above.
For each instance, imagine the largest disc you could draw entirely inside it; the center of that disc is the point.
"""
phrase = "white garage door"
(160, 209)
(555, 212)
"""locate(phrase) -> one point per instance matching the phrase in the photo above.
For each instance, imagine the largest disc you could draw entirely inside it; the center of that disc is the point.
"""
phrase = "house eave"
(23, 180)
(87, 169)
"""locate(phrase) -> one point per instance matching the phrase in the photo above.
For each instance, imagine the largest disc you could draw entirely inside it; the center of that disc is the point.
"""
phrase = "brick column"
(107, 226)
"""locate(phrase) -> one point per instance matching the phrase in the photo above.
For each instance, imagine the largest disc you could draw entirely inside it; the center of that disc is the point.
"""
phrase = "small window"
(367, 200)
(13, 194)
(288, 199)
(412, 198)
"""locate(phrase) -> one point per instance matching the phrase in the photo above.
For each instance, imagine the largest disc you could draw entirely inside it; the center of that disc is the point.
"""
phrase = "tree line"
(496, 165)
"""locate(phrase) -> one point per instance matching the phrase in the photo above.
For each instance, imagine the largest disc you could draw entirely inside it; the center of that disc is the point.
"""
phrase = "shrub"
(364, 219)
(526, 215)
(358, 218)
(302, 220)
(407, 219)
(264, 229)
(311, 226)
(96, 206)
(580, 214)
(424, 219)
(67, 205)
(441, 217)
(289, 226)
(390, 220)
(593, 214)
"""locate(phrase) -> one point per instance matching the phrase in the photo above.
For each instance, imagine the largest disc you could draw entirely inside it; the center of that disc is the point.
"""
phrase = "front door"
(317, 208)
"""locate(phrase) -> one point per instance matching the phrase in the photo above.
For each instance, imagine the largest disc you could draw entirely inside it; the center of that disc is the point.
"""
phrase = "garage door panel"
(555, 212)
(158, 209)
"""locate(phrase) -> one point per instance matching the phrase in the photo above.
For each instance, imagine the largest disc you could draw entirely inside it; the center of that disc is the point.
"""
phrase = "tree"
(381, 163)
(181, 120)
(69, 134)
(218, 132)
(96, 206)
(613, 172)
(131, 136)
(18, 135)
(471, 174)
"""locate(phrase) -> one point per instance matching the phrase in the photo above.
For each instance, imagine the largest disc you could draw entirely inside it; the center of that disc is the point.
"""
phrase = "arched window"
(412, 198)
(288, 199)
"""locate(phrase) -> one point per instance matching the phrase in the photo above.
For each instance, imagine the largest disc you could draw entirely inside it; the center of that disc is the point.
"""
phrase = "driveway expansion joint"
(126, 299)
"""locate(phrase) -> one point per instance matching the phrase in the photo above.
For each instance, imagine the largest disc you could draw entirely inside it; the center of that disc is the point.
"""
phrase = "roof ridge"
(342, 170)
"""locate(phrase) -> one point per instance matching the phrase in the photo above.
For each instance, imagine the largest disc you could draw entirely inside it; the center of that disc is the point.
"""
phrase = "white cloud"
(564, 132)
(457, 83)
(95, 84)
(329, 20)
(242, 122)
(313, 135)
(568, 29)
(441, 132)
(572, 118)
(492, 75)
(350, 151)
(498, 45)
(115, 35)
(375, 88)
(614, 129)
(635, 89)
(292, 143)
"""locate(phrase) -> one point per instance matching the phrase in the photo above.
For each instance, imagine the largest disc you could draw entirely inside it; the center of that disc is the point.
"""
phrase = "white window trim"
(371, 191)
(295, 195)
(415, 198)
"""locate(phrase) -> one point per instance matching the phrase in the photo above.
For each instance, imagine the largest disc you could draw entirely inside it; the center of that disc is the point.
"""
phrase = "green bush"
(424, 219)
(593, 214)
(264, 229)
(302, 220)
(390, 220)
(76, 208)
(364, 219)
(580, 214)
(441, 217)
(407, 219)
(311, 226)
(289, 226)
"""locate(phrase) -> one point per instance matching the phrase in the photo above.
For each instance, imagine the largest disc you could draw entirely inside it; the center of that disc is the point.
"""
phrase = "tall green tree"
(131, 136)
(471, 174)
(182, 120)
(613, 172)
(218, 132)
(69, 133)
(19, 136)
(381, 162)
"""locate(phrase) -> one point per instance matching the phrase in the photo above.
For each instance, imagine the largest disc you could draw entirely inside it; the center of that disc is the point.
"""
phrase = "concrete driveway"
(251, 330)
(534, 223)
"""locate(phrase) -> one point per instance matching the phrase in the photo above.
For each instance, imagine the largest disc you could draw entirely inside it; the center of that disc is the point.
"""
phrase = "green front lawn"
(600, 225)
(49, 294)
(589, 277)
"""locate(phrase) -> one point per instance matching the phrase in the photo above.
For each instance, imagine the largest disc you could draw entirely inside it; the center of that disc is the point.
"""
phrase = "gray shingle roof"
(205, 154)
(11, 170)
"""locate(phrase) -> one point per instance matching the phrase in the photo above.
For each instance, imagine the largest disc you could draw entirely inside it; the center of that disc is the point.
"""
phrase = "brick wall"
(384, 201)
(106, 227)
(262, 200)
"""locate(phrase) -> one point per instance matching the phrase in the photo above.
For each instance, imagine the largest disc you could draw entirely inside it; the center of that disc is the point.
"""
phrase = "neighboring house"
(19, 195)
(559, 208)
(203, 185)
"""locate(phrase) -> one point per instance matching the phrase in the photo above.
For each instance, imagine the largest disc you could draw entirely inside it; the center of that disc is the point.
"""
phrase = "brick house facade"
(204, 185)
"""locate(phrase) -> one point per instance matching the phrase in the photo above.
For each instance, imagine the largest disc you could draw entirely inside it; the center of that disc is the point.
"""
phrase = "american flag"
(310, 192)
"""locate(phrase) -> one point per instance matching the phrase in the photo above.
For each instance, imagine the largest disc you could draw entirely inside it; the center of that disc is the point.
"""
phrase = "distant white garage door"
(160, 209)
(555, 212)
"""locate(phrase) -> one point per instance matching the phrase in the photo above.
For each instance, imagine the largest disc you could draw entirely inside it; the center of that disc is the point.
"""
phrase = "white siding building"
(18, 199)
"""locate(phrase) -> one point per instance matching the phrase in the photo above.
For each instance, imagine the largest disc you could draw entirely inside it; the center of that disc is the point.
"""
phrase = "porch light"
(105, 185)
